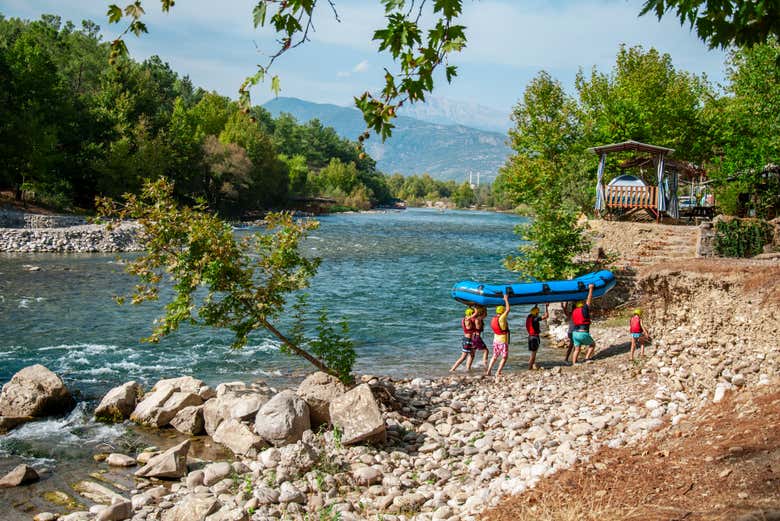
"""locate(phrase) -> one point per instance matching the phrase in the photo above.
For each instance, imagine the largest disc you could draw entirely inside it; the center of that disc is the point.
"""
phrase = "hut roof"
(631, 145)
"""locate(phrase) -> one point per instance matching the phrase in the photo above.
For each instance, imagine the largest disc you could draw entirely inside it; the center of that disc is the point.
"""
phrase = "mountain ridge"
(416, 146)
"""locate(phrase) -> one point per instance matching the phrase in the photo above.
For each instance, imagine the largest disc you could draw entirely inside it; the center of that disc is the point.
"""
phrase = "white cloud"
(361, 67)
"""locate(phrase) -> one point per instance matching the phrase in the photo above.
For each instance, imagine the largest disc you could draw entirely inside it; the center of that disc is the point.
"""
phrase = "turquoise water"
(389, 274)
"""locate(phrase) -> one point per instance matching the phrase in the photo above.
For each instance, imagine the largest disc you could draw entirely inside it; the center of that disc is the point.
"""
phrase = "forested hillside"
(77, 122)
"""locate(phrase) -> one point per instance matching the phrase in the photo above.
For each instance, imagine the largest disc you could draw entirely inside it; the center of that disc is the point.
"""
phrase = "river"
(388, 274)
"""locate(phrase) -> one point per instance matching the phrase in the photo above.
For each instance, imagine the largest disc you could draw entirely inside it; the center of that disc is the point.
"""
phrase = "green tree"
(722, 23)
(746, 126)
(417, 52)
(645, 98)
(227, 174)
(550, 245)
(219, 281)
(298, 172)
(547, 141)
(269, 180)
(32, 98)
(464, 195)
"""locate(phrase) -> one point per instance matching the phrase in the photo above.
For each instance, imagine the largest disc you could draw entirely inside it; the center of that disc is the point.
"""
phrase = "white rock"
(214, 472)
(120, 460)
(357, 414)
(283, 419)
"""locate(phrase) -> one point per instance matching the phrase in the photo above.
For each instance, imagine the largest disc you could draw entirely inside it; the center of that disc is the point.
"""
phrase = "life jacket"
(580, 316)
(467, 329)
(529, 326)
(636, 324)
(494, 323)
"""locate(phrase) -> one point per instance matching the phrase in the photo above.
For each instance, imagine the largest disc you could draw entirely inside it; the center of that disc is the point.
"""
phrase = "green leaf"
(449, 8)
(114, 14)
(451, 71)
(276, 86)
(135, 10)
(138, 27)
(258, 14)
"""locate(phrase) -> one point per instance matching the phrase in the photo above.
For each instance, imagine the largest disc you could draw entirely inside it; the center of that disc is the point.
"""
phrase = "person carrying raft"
(466, 346)
(638, 333)
(477, 342)
(533, 324)
(580, 316)
(500, 326)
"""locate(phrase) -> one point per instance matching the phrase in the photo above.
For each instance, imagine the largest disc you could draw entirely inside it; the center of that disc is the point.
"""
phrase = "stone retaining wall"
(90, 238)
(14, 219)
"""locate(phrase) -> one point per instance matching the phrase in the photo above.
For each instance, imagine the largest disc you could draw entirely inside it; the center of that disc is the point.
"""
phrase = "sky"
(509, 42)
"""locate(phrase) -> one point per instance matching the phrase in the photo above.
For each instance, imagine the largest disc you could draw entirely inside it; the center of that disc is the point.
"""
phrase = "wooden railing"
(631, 196)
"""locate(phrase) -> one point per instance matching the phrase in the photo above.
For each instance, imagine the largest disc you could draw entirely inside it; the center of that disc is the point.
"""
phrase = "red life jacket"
(579, 317)
(467, 330)
(497, 327)
(636, 324)
(529, 326)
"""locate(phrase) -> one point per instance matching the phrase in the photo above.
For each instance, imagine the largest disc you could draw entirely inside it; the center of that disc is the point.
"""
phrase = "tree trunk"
(297, 350)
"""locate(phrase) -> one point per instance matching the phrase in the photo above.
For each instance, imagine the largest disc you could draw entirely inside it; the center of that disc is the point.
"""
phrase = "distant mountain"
(445, 111)
(416, 147)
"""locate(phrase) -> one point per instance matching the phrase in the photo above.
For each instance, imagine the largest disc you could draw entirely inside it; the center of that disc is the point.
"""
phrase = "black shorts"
(533, 343)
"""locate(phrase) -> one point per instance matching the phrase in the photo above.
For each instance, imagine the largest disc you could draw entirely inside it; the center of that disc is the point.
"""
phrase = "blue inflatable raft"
(470, 292)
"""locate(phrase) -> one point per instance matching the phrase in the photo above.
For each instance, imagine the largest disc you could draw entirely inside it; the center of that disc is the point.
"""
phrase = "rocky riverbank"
(448, 448)
(86, 238)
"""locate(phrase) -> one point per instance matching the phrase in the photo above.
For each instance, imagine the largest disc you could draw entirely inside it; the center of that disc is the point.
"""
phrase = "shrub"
(741, 237)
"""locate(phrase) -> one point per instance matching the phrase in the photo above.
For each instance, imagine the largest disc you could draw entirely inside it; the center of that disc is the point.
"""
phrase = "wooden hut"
(654, 190)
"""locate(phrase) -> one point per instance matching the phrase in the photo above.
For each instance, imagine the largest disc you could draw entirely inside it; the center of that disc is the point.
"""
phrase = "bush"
(551, 243)
(741, 237)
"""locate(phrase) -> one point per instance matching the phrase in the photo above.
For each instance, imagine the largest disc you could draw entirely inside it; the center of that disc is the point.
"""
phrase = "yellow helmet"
(535, 310)
(500, 310)
(579, 304)
(469, 312)
(637, 311)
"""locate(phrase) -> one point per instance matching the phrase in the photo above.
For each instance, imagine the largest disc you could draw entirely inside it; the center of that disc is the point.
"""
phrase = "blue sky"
(509, 42)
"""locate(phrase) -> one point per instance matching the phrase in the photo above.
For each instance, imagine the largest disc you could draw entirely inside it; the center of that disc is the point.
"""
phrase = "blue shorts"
(636, 335)
(582, 338)
(467, 346)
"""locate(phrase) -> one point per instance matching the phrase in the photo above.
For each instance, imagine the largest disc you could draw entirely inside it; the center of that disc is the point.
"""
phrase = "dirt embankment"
(715, 325)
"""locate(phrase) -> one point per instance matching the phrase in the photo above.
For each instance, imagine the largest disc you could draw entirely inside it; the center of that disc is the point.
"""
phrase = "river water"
(388, 274)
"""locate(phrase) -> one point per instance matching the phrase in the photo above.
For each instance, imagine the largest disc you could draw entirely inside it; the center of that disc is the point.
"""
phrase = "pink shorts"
(500, 349)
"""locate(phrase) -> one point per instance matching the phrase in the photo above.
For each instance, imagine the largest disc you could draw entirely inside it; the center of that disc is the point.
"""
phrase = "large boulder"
(237, 403)
(171, 464)
(20, 475)
(167, 398)
(189, 420)
(239, 438)
(172, 406)
(146, 410)
(119, 403)
(35, 391)
(356, 414)
(184, 384)
(318, 390)
(283, 419)
(9, 422)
